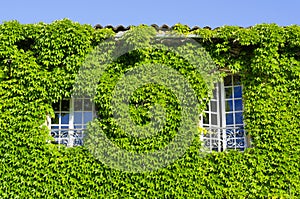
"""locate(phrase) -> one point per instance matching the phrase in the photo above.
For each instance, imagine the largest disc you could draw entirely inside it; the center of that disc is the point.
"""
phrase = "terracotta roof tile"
(164, 27)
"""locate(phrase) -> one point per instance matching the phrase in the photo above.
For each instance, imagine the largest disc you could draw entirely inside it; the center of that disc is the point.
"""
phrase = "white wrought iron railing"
(68, 137)
(220, 139)
(214, 139)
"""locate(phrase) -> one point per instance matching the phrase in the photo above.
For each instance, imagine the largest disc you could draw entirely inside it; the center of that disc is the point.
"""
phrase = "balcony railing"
(68, 137)
(220, 139)
(214, 139)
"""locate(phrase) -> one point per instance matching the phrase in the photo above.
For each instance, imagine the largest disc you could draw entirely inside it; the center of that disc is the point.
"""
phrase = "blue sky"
(211, 13)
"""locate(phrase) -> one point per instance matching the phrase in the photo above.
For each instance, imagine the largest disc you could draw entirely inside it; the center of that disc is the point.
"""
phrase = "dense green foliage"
(39, 63)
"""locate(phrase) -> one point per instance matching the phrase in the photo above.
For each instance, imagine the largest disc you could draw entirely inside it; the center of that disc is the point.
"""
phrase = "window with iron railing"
(223, 117)
(71, 118)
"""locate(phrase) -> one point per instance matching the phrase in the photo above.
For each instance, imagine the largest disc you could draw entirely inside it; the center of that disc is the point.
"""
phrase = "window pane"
(65, 105)
(228, 92)
(215, 92)
(228, 105)
(229, 118)
(238, 92)
(87, 105)
(238, 105)
(78, 104)
(88, 116)
(206, 118)
(207, 107)
(239, 118)
(65, 118)
(214, 119)
(213, 105)
(78, 126)
(56, 106)
(77, 117)
(236, 80)
(227, 81)
(55, 120)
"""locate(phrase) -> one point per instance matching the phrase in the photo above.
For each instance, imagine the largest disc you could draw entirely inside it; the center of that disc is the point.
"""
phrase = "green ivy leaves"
(45, 61)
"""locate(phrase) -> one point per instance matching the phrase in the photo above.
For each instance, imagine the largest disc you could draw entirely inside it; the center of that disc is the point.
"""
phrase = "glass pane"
(228, 92)
(214, 119)
(229, 118)
(229, 105)
(56, 106)
(213, 105)
(227, 81)
(88, 116)
(236, 80)
(65, 118)
(55, 120)
(215, 92)
(238, 92)
(238, 105)
(77, 117)
(78, 104)
(239, 118)
(65, 105)
(206, 118)
(207, 107)
(87, 105)
(78, 126)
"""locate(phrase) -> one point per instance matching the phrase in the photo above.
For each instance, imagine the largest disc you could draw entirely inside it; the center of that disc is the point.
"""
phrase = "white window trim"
(218, 139)
(60, 133)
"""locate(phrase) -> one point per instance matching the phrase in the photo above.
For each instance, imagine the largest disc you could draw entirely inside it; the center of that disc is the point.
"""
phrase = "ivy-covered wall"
(39, 63)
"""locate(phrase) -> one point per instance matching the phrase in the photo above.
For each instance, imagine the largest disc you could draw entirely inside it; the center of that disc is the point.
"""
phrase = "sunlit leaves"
(45, 60)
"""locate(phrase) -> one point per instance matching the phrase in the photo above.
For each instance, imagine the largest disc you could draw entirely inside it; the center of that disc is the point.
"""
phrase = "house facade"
(250, 126)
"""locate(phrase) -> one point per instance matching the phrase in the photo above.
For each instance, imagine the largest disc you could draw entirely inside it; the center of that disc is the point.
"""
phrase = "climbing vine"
(39, 64)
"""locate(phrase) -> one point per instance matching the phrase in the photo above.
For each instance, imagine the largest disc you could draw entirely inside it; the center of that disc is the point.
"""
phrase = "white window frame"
(220, 136)
(68, 134)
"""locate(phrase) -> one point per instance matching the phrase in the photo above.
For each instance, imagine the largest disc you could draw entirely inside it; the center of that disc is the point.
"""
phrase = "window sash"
(225, 127)
(70, 121)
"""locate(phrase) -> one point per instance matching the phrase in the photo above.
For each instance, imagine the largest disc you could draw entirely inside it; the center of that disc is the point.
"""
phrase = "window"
(223, 117)
(71, 118)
